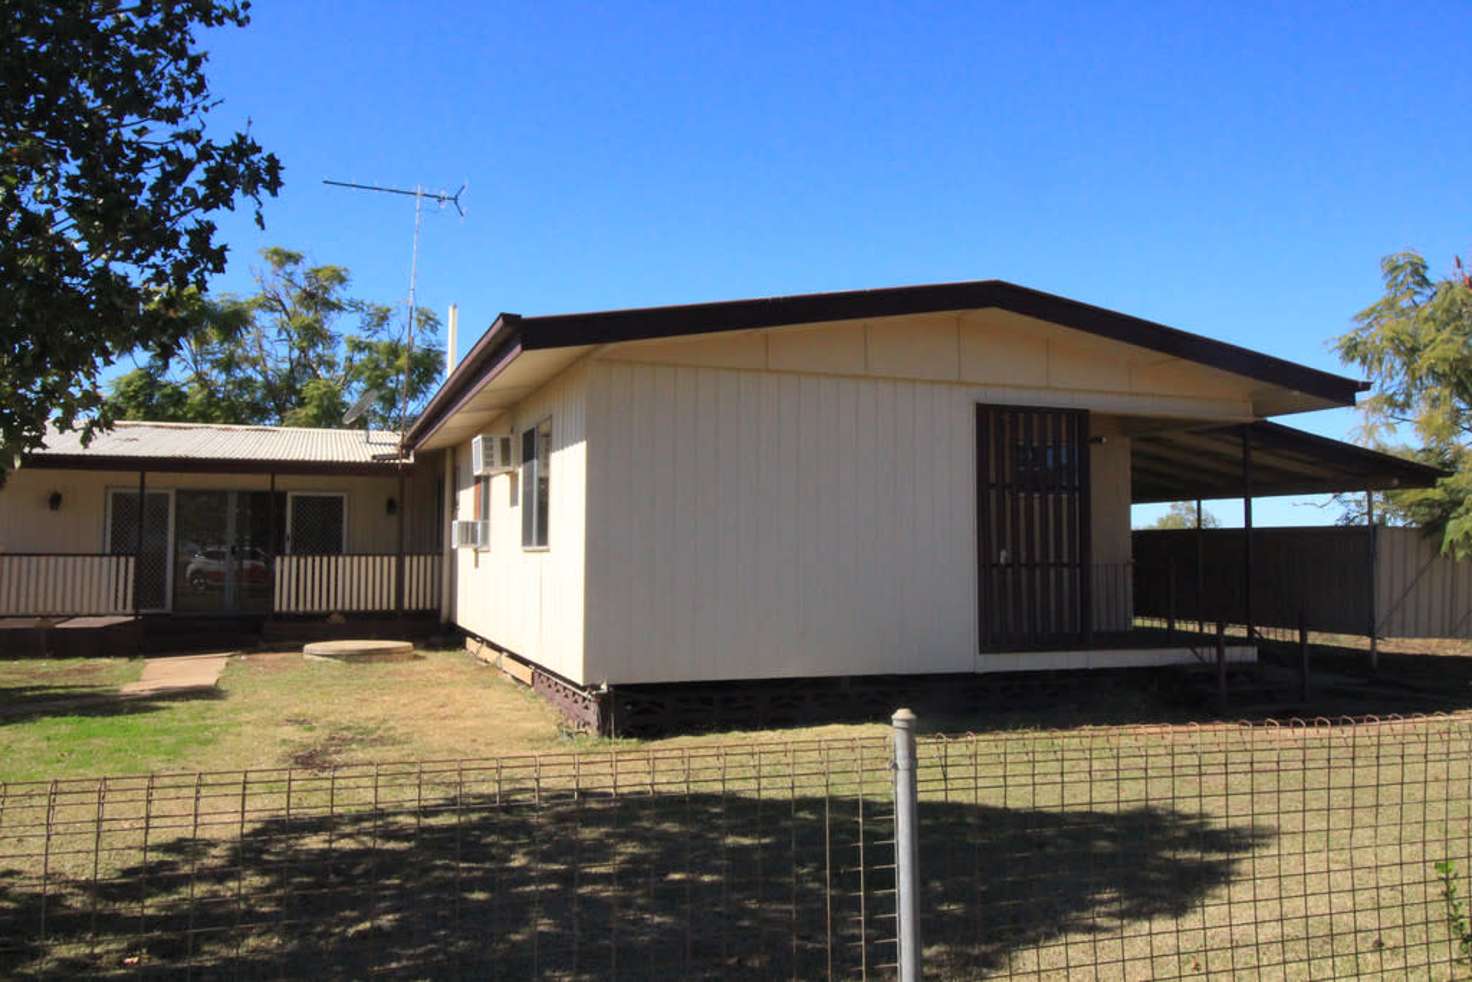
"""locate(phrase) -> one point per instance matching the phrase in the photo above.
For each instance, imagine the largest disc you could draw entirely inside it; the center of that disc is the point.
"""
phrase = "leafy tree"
(1182, 515)
(106, 183)
(1415, 343)
(282, 356)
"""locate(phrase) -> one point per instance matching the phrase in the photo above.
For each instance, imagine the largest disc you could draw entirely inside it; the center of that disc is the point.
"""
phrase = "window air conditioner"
(470, 534)
(491, 453)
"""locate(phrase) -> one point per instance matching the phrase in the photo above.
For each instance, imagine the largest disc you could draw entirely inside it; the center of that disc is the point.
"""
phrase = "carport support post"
(1221, 666)
(1370, 544)
(906, 846)
(1170, 600)
(1200, 565)
(1247, 529)
(1303, 665)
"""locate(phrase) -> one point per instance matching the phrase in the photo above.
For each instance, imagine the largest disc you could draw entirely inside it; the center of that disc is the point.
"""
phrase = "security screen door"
(1033, 531)
(152, 574)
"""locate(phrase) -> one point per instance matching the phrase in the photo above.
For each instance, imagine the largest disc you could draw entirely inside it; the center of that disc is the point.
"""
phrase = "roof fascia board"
(188, 465)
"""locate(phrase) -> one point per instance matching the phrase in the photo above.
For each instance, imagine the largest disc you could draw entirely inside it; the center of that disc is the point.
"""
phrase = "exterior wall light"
(392, 507)
(53, 501)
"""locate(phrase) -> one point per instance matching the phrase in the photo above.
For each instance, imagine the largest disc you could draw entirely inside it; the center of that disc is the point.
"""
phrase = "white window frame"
(528, 490)
(291, 495)
(169, 548)
(482, 487)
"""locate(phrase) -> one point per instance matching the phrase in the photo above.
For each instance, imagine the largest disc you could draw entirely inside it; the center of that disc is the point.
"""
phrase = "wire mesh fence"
(1281, 850)
(759, 860)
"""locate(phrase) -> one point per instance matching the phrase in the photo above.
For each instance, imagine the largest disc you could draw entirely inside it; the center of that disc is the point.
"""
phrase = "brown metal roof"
(217, 446)
(512, 334)
(1184, 465)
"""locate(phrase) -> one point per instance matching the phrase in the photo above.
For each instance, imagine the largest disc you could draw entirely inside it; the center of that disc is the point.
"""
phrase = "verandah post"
(906, 846)
(271, 550)
(399, 559)
(138, 544)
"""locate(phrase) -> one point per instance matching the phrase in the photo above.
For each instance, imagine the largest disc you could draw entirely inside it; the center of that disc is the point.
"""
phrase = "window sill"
(536, 548)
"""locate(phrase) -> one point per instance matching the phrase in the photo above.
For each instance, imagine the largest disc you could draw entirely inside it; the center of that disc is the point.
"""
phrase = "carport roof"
(1183, 465)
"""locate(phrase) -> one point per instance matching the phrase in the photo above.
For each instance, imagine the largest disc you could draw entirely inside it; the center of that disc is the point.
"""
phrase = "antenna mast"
(440, 198)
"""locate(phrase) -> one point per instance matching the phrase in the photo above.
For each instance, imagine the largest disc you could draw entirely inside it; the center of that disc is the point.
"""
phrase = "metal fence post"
(906, 846)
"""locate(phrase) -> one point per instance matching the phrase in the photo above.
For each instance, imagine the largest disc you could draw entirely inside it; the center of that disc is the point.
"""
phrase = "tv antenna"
(419, 194)
(359, 409)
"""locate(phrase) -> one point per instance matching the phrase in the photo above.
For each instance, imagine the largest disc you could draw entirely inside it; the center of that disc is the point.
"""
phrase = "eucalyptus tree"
(1415, 343)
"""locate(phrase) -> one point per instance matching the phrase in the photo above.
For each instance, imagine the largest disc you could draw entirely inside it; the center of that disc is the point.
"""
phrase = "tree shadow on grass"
(679, 886)
(26, 703)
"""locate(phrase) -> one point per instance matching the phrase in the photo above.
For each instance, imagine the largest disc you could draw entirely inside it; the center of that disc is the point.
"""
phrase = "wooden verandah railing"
(65, 584)
(355, 583)
(76, 584)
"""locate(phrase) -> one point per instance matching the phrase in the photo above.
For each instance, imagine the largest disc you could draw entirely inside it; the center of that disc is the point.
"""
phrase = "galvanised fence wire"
(1302, 849)
(761, 860)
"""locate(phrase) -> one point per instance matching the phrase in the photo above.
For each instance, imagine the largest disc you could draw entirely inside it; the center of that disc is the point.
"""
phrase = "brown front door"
(1032, 494)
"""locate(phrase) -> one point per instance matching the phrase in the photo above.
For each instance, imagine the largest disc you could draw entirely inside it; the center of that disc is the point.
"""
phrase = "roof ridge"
(265, 427)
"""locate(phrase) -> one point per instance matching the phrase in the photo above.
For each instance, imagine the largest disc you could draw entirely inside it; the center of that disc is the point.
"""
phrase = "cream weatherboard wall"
(530, 602)
(801, 502)
(761, 524)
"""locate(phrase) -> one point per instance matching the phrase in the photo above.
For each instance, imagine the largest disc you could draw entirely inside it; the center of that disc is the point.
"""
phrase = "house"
(919, 481)
(929, 480)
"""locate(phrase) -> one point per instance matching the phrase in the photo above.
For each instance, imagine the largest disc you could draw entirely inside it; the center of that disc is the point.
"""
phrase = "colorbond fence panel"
(1321, 572)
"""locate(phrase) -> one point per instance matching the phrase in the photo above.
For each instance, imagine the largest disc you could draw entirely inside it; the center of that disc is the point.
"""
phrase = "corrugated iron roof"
(218, 441)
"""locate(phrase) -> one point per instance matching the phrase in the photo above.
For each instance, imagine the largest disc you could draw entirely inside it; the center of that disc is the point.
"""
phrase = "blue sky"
(1231, 169)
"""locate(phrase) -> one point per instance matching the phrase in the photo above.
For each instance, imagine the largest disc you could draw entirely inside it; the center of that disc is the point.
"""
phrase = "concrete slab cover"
(360, 650)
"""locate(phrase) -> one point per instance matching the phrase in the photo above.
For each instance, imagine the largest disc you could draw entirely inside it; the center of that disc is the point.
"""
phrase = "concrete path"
(161, 675)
